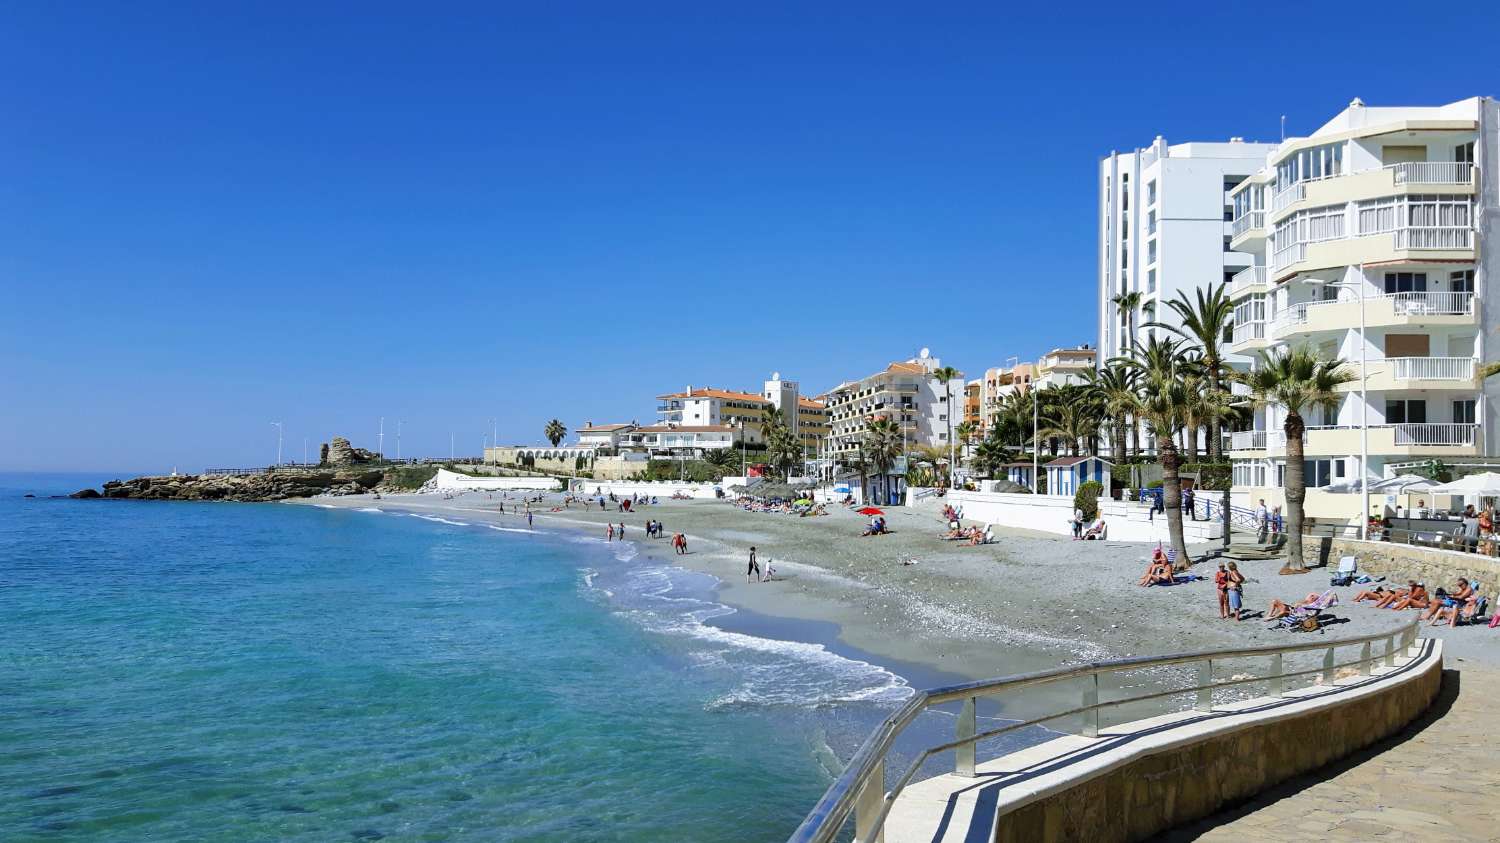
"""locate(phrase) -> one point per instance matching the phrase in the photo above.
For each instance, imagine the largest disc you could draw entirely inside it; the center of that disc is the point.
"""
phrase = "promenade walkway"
(1437, 780)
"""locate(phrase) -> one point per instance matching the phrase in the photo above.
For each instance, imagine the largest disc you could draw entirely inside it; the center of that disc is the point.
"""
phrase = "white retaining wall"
(1130, 522)
(660, 489)
(449, 481)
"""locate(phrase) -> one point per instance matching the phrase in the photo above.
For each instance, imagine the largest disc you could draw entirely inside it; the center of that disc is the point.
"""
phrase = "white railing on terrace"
(1432, 368)
(1435, 433)
(1288, 255)
(1432, 172)
(1432, 304)
(1247, 331)
(1248, 277)
(1248, 440)
(1446, 237)
(1288, 195)
(1247, 222)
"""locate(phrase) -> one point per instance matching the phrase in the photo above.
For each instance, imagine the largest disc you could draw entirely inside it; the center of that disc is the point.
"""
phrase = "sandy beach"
(1029, 601)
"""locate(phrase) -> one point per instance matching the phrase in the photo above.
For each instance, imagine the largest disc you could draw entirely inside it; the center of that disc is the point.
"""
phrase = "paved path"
(1437, 780)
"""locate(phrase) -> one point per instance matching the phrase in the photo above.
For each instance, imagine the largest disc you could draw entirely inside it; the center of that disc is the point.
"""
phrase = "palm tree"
(944, 376)
(1159, 363)
(965, 433)
(555, 432)
(1204, 322)
(1115, 386)
(1072, 414)
(991, 454)
(1126, 304)
(1296, 380)
(882, 444)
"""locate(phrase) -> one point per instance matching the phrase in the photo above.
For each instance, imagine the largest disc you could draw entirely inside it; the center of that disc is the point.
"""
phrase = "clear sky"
(212, 219)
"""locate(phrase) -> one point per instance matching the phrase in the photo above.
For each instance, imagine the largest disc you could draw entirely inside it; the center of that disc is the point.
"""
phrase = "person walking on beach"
(1077, 522)
(609, 534)
(752, 573)
(1235, 583)
(622, 531)
(528, 518)
(1262, 522)
(1187, 504)
(680, 542)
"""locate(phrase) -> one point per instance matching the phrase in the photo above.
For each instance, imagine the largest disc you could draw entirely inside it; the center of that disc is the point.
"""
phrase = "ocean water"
(181, 671)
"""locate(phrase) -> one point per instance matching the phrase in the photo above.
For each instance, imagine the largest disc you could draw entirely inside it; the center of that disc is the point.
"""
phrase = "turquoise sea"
(181, 671)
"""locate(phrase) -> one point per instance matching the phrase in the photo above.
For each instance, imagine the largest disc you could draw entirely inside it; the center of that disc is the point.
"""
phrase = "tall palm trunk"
(1215, 434)
(1191, 435)
(1119, 439)
(1135, 436)
(1171, 490)
(1296, 494)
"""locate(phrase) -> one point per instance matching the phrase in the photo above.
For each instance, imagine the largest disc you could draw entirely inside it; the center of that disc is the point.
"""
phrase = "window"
(1151, 223)
(1124, 258)
(1226, 244)
(1464, 153)
(1317, 473)
(1151, 192)
(1463, 411)
(1125, 201)
(1150, 251)
(1405, 282)
(1319, 162)
(1228, 214)
(1405, 411)
(1125, 229)
(1150, 280)
(1461, 282)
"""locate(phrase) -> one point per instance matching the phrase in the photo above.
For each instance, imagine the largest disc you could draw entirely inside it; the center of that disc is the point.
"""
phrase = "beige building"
(1373, 238)
(697, 406)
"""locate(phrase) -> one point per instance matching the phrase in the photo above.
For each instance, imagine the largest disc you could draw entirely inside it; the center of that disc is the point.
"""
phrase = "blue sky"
(212, 219)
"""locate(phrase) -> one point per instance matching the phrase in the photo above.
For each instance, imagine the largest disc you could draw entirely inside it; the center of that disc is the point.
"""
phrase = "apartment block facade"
(1165, 225)
(708, 406)
(1374, 239)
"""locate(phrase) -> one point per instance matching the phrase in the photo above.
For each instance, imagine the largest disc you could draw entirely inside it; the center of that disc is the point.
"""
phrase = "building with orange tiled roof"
(708, 405)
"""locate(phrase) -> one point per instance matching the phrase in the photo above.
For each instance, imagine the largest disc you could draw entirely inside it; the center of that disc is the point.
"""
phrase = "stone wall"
(1143, 798)
(1127, 521)
(1400, 562)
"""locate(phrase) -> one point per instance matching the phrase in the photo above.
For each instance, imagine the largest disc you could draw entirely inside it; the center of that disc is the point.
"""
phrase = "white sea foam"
(439, 520)
(508, 529)
(325, 506)
(370, 509)
(766, 671)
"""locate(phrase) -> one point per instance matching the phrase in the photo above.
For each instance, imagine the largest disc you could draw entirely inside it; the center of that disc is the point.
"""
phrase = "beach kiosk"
(1066, 474)
(1019, 473)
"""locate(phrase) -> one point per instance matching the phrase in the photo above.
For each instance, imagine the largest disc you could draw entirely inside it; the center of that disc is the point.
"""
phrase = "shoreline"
(1031, 601)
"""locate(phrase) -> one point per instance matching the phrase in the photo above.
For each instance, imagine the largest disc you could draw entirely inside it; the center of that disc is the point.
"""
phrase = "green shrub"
(1212, 476)
(409, 477)
(1154, 484)
(1087, 499)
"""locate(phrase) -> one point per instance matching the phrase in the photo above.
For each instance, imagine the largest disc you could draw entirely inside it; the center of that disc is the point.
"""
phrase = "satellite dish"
(775, 376)
(926, 353)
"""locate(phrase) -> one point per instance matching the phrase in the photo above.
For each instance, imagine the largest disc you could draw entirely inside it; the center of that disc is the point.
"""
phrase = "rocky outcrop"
(263, 486)
(340, 453)
(82, 493)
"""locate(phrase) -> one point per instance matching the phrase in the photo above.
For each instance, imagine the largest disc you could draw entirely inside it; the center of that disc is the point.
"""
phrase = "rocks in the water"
(272, 485)
(83, 494)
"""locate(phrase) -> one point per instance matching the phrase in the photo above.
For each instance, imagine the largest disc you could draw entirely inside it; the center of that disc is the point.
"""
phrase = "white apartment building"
(607, 436)
(1375, 238)
(905, 392)
(806, 417)
(1165, 226)
(1065, 366)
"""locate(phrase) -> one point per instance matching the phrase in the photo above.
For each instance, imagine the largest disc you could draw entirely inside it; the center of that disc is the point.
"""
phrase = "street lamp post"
(280, 429)
(398, 439)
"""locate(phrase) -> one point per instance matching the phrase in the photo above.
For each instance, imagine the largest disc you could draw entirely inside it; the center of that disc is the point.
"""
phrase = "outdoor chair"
(1307, 618)
(1348, 567)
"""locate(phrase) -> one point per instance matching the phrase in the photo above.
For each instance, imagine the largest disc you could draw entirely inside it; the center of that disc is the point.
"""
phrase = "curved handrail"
(830, 813)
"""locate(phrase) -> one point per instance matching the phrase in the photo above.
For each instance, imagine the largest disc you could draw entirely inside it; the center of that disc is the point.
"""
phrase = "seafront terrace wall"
(657, 488)
(1399, 562)
(1127, 521)
(1254, 719)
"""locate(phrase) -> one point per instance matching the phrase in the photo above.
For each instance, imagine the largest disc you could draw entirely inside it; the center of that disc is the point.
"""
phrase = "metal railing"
(860, 790)
(1432, 368)
(1432, 304)
(1250, 276)
(1435, 237)
(1248, 221)
(1288, 255)
(1288, 195)
(1432, 172)
(1435, 433)
(1248, 440)
(1246, 331)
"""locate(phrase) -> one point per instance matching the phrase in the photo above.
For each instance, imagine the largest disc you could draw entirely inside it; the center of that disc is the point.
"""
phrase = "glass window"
(1461, 282)
(1405, 411)
(1151, 192)
(1463, 411)
(1150, 280)
(1151, 222)
(1464, 153)
(1151, 251)
(1405, 282)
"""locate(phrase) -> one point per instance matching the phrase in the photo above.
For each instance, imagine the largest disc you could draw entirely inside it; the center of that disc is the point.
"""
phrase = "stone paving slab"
(1437, 780)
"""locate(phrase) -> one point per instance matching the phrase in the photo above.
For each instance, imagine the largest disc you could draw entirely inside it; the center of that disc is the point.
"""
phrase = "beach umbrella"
(870, 510)
(1404, 484)
(1484, 484)
(802, 502)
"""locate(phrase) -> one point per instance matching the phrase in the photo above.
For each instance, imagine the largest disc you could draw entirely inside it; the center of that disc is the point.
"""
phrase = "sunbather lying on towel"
(1159, 572)
(1279, 609)
(1416, 598)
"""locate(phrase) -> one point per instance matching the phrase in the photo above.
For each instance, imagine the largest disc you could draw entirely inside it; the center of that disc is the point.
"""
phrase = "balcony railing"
(1248, 222)
(1247, 277)
(1288, 255)
(1437, 434)
(1248, 440)
(1432, 304)
(1288, 195)
(1432, 172)
(1244, 332)
(1432, 368)
(1446, 237)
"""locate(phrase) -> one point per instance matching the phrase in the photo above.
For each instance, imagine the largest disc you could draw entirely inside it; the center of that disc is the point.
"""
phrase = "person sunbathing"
(1395, 595)
(1374, 595)
(1416, 598)
(1098, 531)
(1446, 601)
(1279, 609)
(1159, 572)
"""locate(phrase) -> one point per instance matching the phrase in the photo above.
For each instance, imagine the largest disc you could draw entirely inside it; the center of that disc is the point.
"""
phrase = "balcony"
(1289, 196)
(1288, 255)
(1425, 439)
(1247, 440)
(1432, 172)
(1432, 368)
(1248, 333)
(1389, 310)
(1433, 176)
(1246, 280)
(1435, 238)
(1252, 220)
